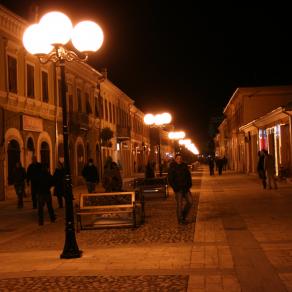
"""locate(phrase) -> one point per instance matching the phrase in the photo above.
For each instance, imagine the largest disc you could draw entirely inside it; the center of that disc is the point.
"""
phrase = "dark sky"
(184, 58)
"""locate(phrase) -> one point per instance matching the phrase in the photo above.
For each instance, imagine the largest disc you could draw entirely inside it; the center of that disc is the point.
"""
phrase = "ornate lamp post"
(159, 121)
(47, 40)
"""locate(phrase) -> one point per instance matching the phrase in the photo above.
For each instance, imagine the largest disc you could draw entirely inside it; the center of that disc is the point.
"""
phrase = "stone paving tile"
(213, 283)
(287, 280)
(280, 255)
(211, 255)
(175, 283)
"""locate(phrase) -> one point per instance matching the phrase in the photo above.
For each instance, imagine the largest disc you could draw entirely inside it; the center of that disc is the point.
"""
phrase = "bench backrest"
(106, 200)
(155, 181)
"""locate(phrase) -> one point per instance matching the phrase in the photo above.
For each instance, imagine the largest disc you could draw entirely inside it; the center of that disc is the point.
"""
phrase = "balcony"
(78, 121)
(123, 133)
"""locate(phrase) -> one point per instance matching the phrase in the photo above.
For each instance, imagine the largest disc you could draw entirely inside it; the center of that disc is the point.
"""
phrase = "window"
(59, 93)
(12, 74)
(79, 101)
(88, 106)
(106, 110)
(110, 112)
(30, 81)
(97, 113)
(100, 104)
(114, 114)
(45, 88)
(70, 103)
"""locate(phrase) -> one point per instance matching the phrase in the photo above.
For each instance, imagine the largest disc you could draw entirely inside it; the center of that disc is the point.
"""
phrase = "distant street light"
(158, 121)
(47, 40)
(175, 136)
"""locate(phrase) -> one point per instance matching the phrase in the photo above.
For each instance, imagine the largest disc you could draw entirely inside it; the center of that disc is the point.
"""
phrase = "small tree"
(106, 135)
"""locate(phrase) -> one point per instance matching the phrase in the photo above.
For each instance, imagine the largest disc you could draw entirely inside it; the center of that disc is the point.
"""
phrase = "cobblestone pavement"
(160, 227)
(97, 283)
(159, 234)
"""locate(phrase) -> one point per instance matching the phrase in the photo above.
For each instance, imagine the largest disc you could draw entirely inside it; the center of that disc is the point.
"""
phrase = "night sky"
(184, 58)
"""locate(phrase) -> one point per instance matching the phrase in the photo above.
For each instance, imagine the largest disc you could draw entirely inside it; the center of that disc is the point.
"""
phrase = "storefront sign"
(32, 124)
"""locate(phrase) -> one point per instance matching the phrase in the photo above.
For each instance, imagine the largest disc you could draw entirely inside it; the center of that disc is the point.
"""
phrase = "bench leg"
(134, 215)
(77, 223)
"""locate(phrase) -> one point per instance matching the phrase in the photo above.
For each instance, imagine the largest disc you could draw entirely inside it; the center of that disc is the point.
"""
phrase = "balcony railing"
(123, 133)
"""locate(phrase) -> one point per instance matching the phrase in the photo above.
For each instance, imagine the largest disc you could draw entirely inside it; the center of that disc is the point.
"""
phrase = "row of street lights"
(48, 40)
(158, 121)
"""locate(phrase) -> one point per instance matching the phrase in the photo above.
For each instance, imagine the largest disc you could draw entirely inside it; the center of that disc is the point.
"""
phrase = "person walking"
(149, 172)
(59, 186)
(46, 181)
(261, 168)
(112, 179)
(211, 163)
(91, 175)
(19, 176)
(219, 163)
(269, 165)
(33, 172)
(180, 180)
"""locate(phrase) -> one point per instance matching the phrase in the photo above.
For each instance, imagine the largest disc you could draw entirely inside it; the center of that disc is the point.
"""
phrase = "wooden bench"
(114, 209)
(157, 185)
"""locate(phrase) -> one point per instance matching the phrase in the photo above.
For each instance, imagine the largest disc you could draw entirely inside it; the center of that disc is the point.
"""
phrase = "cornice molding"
(11, 24)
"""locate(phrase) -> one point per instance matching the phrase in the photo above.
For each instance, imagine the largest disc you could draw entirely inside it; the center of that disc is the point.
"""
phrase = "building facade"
(256, 118)
(31, 113)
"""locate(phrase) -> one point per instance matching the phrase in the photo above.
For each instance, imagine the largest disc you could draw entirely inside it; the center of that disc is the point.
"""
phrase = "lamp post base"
(71, 254)
(71, 250)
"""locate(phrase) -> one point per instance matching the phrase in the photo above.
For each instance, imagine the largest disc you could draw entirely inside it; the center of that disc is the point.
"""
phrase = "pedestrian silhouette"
(261, 168)
(269, 164)
(180, 180)
(19, 176)
(211, 164)
(219, 163)
(46, 181)
(149, 172)
(112, 179)
(91, 175)
(59, 185)
(33, 172)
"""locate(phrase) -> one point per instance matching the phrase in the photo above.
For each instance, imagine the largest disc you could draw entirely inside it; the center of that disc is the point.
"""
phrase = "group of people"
(219, 162)
(111, 181)
(41, 181)
(266, 169)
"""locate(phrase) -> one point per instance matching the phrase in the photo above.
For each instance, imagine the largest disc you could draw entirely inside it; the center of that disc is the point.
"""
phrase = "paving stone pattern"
(160, 227)
(170, 283)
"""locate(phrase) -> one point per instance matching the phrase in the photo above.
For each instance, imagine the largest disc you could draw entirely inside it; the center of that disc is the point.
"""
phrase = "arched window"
(13, 152)
(45, 153)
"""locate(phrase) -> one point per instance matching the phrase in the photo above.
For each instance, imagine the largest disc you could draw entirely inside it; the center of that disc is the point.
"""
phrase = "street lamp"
(47, 40)
(175, 136)
(159, 121)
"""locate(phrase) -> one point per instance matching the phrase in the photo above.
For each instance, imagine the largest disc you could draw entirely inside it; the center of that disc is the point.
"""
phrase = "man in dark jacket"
(91, 176)
(46, 181)
(180, 180)
(33, 172)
